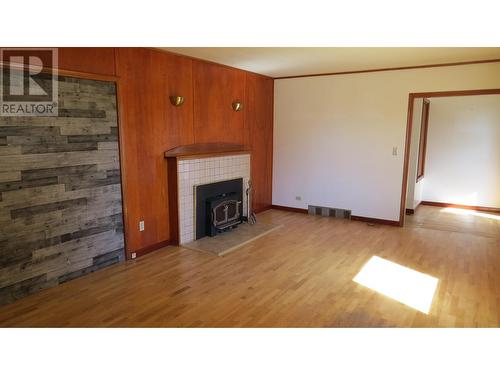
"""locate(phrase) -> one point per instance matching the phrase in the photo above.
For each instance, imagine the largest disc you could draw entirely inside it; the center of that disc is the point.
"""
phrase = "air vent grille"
(329, 211)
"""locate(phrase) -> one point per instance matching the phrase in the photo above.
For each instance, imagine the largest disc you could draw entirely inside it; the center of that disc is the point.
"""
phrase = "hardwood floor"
(300, 275)
(481, 223)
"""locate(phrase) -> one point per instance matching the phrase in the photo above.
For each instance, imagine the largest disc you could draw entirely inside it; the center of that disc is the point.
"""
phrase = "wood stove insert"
(219, 207)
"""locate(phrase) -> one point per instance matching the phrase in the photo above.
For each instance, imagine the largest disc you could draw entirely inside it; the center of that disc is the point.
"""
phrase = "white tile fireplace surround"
(205, 170)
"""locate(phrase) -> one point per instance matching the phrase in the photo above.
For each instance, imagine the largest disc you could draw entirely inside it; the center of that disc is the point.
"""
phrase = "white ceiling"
(291, 61)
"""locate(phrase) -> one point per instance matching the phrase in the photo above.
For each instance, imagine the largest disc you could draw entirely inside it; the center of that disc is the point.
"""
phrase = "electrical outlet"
(298, 198)
(141, 225)
(133, 255)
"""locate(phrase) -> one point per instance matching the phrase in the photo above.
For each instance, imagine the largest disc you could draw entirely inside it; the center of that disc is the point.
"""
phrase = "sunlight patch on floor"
(412, 288)
(461, 211)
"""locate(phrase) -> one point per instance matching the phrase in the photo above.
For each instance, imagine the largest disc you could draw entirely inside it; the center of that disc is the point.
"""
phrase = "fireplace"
(219, 207)
(193, 168)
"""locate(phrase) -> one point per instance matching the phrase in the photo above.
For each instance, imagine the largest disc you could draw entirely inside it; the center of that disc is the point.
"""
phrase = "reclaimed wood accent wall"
(60, 191)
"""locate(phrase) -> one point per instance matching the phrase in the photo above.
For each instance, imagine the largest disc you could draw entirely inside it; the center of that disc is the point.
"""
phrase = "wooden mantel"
(205, 149)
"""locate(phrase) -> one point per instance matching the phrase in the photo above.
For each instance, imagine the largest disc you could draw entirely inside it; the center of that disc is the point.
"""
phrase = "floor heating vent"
(328, 211)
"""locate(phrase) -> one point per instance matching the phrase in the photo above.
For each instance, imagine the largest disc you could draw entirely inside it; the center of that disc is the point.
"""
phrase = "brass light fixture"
(176, 100)
(237, 106)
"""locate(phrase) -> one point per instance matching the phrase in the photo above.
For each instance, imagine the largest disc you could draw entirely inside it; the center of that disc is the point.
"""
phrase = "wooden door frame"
(422, 145)
(409, 120)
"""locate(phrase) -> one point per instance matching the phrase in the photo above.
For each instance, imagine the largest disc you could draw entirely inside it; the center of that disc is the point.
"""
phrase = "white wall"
(418, 195)
(414, 190)
(463, 151)
(333, 135)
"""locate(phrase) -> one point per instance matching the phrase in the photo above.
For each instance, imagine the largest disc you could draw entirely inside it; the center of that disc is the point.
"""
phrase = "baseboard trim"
(290, 209)
(375, 220)
(149, 249)
(411, 211)
(355, 218)
(463, 206)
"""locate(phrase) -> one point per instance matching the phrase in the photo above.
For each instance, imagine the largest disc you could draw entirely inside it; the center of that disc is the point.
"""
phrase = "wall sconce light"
(237, 106)
(176, 100)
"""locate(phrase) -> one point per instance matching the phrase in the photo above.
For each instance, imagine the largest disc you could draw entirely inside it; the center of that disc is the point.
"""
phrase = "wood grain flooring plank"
(300, 275)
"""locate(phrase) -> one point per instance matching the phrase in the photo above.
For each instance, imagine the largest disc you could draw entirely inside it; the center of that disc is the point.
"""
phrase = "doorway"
(451, 177)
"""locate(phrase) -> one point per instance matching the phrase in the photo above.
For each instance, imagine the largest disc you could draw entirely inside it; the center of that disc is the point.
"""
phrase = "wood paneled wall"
(90, 61)
(215, 88)
(258, 109)
(149, 125)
